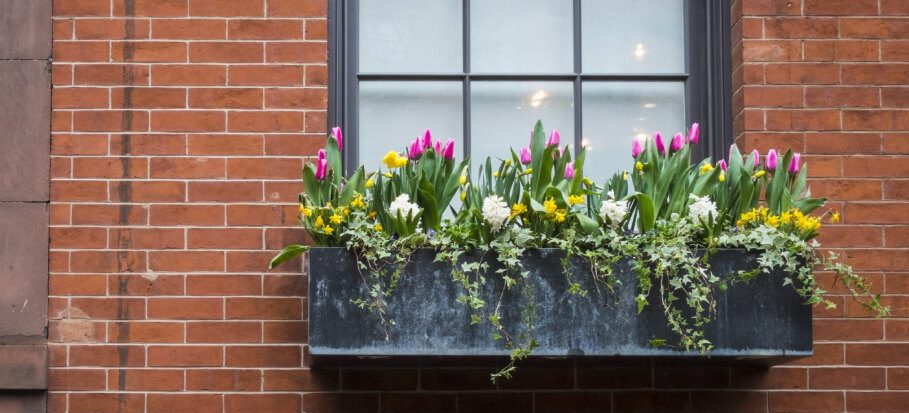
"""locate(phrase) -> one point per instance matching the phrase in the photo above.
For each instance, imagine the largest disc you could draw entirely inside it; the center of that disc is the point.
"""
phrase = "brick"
(185, 308)
(650, 401)
(227, 8)
(148, 380)
(75, 285)
(894, 51)
(75, 380)
(316, 30)
(151, 52)
(876, 74)
(78, 237)
(145, 332)
(186, 261)
(848, 190)
(224, 332)
(876, 402)
(297, 8)
(263, 356)
(340, 402)
(110, 167)
(772, 7)
(188, 121)
(247, 168)
(801, 73)
(264, 308)
(146, 285)
(201, 403)
(81, 144)
(150, 98)
(896, 189)
(772, 50)
(256, 262)
(100, 75)
(284, 332)
(877, 260)
(837, 97)
(225, 191)
(874, 28)
(223, 380)
(226, 52)
(88, 214)
(110, 261)
(226, 238)
(875, 166)
(261, 215)
(230, 98)
(896, 236)
(149, 191)
(842, 143)
(202, 215)
(851, 330)
(106, 402)
(265, 121)
(81, 51)
(187, 168)
(265, 29)
(177, 356)
(875, 120)
(80, 98)
(296, 98)
(800, 28)
(835, 236)
(293, 144)
(896, 143)
(316, 75)
(772, 378)
(266, 75)
(841, 7)
(111, 29)
(898, 378)
(894, 7)
(895, 97)
(295, 52)
(189, 29)
(146, 238)
(233, 144)
(106, 356)
(807, 402)
(189, 75)
(277, 403)
(804, 120)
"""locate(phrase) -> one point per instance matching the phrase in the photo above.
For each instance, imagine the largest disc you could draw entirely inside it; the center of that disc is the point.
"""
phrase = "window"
(482, 71)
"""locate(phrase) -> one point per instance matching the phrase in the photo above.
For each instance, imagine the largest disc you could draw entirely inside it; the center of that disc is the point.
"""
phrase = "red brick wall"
(180, 126)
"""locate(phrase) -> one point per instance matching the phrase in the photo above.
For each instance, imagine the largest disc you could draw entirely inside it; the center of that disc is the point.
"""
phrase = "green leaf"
(287, 253)
(645, 209)
(311, 185)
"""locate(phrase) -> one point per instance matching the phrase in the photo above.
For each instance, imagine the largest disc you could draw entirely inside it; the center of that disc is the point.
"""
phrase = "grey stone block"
(25, 29)
(23, 402)
(23, 272)
(23, 367)
(24, 130)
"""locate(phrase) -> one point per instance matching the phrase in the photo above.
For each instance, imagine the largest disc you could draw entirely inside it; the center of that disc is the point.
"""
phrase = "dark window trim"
(708, 79)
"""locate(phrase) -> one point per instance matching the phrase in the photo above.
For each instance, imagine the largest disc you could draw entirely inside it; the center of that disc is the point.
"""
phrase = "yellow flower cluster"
(394, 160)
(792, 220)
(329, 219)
(553, 211)
(575, 200)
(517, 210)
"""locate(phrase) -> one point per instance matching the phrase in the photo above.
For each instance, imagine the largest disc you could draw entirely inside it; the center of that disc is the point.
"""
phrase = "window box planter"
(761, 320)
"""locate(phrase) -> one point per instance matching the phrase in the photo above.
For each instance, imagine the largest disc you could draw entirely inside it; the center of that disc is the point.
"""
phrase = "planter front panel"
(761, 319)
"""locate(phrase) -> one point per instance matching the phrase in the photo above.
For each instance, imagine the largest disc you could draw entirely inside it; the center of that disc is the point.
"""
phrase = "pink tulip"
(772, 160)
(569, 170)
(321, 169)
(321, 154)
(448, 150)
(427, 141)
(756, 157)
(416, 149)
(678, 142)
(553, 138)
(795, 165)
(438, 147)
(658, 138)
(722, 164)
(636, 148)
(525, 156)
(693, 133)
(336, 132)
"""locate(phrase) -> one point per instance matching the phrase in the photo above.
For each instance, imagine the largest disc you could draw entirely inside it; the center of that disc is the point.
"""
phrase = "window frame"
(708, 80)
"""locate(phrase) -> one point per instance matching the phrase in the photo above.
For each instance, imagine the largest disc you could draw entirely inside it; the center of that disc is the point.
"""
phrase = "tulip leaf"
(287, 253)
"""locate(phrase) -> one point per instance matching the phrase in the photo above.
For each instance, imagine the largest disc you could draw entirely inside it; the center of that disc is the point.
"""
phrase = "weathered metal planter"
(761, 320)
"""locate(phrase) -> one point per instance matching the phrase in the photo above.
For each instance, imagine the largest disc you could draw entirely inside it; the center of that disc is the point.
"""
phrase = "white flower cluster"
(495, 211)
(702, 209)
(403, 205)
(613, 210)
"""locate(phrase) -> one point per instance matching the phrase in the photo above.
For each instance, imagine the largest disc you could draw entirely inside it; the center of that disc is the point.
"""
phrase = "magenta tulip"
(416, 149)
(772, 160)
(525, 156)
(427, 141)
(636, 148)
(438, 147)
(756, 157)
(795, 165)
(722, 164)
(448, 150)
(321, 169)
(336, 132)
(678, 142)
(661, 148)
(553, 138)
(569, 170)
(321, 154)
(693, 133)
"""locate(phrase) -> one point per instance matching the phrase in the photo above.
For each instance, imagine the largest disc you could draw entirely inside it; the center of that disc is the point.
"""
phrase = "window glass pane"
(523, 36)
(616, 112)
(409, 36)
(633, 36)
(394, 113)
(503, 114)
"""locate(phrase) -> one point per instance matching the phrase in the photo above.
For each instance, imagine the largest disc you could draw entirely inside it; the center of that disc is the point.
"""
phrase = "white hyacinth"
(702, 209)
(495, 211)
(613, 210)
(402, 205)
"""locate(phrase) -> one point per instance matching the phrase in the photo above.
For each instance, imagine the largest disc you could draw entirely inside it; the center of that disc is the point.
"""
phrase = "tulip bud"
(336, 132)
(553, 138)
(678, 142)
(438, 147)
(448, 150)
(321, 154)
(427, 141)
(693, 133)
(772, 160)
(569, 170)
(525, 156)
(756, 157)
(636, 148)
(661, 148)
(321, 169)
(722, 164)
(416, 149)
(795, 165)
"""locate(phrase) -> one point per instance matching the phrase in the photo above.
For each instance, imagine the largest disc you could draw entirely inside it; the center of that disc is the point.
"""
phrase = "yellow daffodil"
(463, 195)
(378, 227)
(369, 183)
(462, 180)
(550, 206)
(560, 216)
(329, 230)
(759, 174)
(372, 214)
(508, 162)
(400, 162)
(495, 174)
(345, 211)
(518, 209)
(706, 168)
(773, 221)
(625, 176)
(587, 181)
(575, 200)
(639, 166)
(722, 177)
(390, 159)
(335, 219)
(835, 218)
(319, 222)
(387, 175)
(305, 211)
(357, 202)
(528, 171)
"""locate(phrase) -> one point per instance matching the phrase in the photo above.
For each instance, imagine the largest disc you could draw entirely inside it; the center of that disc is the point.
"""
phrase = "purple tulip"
(756, 157)
(772, 160)
(569, 170)
(427, 141)
(553, 138)
(658, 138)
(636, 148)
(336, 132)
(416, 149)
(678, 142)
(321, 154)
(448, 150)
(795, 165)
(693, 133)
(525, 156)
(321, 169)
(722, 164)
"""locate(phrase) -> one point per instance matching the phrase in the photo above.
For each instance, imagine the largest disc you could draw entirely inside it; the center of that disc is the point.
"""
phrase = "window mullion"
(465, 98)
(578, 101)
